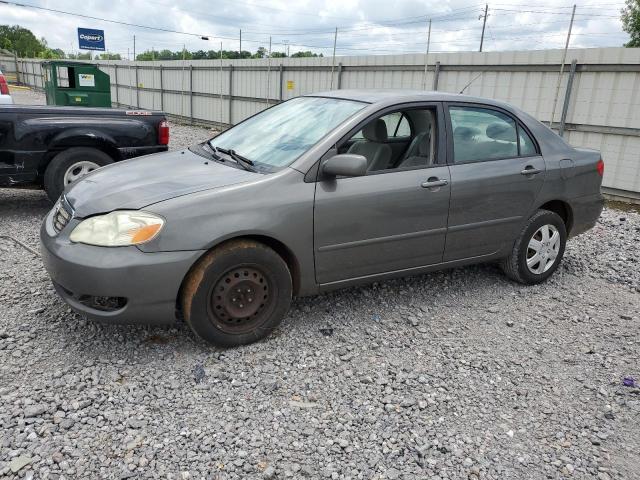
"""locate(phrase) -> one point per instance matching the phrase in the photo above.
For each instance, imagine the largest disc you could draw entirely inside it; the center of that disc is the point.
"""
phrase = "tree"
(21, 41)
(261, 53)
(278, 55)
(80, 56)
(109, 56)
(306, 53)
(631, 22)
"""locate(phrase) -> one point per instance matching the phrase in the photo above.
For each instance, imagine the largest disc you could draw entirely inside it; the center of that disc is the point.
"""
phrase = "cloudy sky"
(364, 26)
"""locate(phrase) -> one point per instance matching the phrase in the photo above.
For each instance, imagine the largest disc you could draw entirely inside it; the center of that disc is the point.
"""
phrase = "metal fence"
(598, 101)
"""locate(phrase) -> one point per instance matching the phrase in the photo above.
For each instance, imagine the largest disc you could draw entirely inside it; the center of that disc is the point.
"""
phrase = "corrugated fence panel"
(603, 108)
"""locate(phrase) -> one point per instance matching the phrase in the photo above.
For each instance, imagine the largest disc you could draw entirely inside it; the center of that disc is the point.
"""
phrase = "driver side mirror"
(345, 165)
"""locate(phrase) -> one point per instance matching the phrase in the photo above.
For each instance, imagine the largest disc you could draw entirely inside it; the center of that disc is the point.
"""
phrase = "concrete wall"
(602, 110)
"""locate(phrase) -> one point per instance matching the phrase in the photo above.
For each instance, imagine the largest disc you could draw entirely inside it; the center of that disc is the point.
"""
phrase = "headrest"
(465, 133)
(375, 131)
(501, 131)
(424, 144)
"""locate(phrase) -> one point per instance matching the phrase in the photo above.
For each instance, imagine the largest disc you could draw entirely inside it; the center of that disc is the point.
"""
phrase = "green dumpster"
(76, 83)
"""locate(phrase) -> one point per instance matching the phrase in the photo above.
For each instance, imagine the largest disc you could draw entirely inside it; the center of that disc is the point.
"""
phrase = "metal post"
(134, 48)
(564, 57)
(221, 97)
(484, 24)
(137, 89)
(230, 92)
(184, 47)
(115, 74)
(281, 79)
(426, 58)
(240, 43)
(436, 74)
(191, 93)
(269, 73)
(161, 91)
(333, 58)
(567, 97)
(15, 59)
(339, 82)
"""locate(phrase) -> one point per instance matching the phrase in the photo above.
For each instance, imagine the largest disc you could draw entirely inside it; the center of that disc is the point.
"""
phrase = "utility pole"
(333, 59)
(134, 48)
(240, 43)
(484, 24)
(426, 58)
(564, 58)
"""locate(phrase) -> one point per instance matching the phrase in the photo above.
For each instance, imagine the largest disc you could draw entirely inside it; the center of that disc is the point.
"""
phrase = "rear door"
(496, 174)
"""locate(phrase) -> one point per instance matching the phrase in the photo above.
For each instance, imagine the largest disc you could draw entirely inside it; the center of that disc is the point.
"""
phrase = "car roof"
(389, 96)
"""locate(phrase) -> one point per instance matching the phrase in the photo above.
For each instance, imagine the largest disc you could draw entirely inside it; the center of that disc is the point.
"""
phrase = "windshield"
(276, 137)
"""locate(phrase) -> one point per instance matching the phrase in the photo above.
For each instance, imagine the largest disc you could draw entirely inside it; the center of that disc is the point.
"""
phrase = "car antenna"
(472, 80)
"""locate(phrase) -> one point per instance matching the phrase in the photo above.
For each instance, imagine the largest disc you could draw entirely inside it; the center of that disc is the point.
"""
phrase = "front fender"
(277, 207)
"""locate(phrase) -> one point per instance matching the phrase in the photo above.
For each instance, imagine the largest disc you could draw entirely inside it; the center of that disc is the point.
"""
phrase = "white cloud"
(365, 26)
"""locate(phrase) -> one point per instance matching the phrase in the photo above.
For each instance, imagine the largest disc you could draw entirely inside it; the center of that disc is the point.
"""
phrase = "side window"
(403, 129)
(481, 134)
(415, 131)
(397, 126)
(527, 147)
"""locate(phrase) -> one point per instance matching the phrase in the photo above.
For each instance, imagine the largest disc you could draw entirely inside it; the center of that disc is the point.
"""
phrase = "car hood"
(136, 183)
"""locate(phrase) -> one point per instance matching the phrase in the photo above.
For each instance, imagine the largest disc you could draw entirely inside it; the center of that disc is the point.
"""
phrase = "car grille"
(61, 216)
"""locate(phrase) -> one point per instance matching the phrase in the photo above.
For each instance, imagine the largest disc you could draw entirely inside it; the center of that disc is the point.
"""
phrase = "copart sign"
(90, 39)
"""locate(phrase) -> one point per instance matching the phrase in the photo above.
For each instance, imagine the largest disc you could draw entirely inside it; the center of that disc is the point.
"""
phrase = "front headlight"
(119, 228)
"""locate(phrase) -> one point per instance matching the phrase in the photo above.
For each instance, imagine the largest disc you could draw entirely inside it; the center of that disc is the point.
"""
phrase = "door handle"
(434, 182)
(529, 170)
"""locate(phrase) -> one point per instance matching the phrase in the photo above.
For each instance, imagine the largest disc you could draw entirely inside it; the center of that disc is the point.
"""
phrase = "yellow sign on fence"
(290, 85)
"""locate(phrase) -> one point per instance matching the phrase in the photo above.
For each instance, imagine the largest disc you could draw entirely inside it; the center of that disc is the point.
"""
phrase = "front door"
(496, 174)
(388, 220)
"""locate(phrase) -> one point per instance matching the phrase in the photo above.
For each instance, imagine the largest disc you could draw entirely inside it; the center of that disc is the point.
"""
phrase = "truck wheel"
(237, 293)
(538, 250)
(71, 165)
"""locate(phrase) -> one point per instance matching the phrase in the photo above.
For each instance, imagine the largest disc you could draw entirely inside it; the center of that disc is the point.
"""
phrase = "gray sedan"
(319, 192)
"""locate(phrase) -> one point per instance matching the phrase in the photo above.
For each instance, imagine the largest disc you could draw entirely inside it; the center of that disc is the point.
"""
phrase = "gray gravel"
(459, 374)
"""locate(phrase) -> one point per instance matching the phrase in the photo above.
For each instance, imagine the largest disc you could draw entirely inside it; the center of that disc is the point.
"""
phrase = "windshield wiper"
(244, 162)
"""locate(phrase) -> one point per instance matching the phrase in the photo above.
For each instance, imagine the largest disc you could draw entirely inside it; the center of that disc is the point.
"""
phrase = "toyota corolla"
(316, 193)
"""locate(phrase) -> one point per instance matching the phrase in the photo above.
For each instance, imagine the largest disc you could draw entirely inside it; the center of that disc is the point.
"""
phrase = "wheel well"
(277, 246)
(285, 253)
(563, 210)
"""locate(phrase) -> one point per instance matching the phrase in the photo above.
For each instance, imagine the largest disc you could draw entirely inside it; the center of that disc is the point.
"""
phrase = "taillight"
(4, 88)
(600, 167)
(163, 133)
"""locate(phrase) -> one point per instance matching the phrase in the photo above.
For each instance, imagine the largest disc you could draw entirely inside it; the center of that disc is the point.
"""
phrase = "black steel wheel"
(237, 293)
(241, 299)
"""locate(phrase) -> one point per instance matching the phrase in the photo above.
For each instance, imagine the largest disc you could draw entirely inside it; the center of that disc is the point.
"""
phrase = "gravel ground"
(459, 374)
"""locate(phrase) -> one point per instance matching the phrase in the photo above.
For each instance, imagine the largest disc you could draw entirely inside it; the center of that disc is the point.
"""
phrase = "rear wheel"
(237, 293)
(538, 250)
(70, 166)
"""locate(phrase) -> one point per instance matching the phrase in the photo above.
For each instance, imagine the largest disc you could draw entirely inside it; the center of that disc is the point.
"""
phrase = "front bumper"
(149, 282)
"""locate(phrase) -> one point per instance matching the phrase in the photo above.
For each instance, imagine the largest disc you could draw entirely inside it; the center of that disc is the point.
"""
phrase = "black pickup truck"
(51, 147)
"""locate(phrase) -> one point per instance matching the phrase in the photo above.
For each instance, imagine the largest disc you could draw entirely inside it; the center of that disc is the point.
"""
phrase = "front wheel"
(538, 250)
(237, 293)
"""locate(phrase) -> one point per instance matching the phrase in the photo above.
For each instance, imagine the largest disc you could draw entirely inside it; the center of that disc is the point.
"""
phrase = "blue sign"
(90, 39)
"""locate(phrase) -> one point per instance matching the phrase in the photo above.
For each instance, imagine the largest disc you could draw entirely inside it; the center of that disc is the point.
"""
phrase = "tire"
(54, 176)
(550, 252)
(221, 292)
